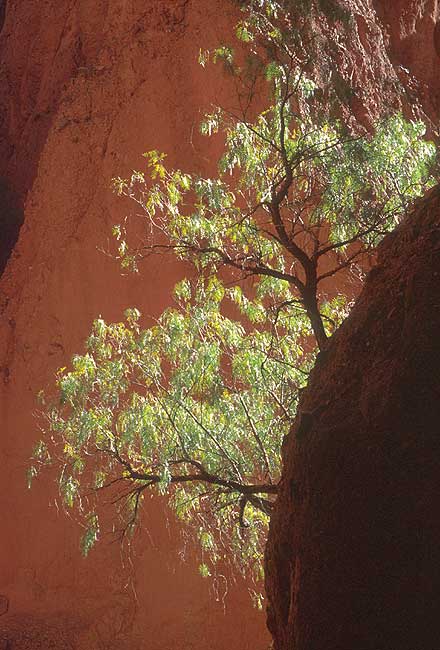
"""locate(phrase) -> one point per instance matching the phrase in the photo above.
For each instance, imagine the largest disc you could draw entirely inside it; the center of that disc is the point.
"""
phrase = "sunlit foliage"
(197, 405)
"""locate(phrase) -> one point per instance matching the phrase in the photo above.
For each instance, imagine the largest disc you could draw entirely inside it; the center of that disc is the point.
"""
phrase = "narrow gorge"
(353, 557)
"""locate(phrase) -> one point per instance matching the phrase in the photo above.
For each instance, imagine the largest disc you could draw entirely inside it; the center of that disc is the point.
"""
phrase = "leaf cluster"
(196, 406)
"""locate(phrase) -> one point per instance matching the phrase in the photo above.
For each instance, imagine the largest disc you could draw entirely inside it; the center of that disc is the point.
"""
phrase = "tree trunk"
(311, 306)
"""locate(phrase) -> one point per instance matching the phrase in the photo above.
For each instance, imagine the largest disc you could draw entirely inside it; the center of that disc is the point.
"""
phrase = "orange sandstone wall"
(86, 87)
(413, 29)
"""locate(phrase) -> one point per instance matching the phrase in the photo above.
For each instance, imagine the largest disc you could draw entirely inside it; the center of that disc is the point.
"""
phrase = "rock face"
(413, 28)
(353, 560)
(86, 87)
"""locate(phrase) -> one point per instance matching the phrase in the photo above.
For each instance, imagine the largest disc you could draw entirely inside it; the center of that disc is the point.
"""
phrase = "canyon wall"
(413, 45)
(353, 560)
(86, 87)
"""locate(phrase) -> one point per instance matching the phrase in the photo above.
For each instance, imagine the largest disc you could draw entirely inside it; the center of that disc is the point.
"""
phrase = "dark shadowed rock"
(353, 559)
(4, 604)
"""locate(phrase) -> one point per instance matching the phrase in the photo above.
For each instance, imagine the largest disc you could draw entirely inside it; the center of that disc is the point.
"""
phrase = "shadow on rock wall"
(353, 559)
(11, 219)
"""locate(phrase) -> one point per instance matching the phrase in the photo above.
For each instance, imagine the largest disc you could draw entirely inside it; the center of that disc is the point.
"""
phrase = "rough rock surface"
(353, 560)
(413, 30)
(85, 87)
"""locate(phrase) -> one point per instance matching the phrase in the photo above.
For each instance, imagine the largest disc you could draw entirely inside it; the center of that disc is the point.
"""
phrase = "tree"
(197, 405)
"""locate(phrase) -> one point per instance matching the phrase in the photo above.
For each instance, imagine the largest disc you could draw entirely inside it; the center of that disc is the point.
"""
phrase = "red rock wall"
(413, 30)
(87, 86)
(353, 560)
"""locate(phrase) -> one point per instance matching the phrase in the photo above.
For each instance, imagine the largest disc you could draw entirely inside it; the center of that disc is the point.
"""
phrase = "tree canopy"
(197, 405)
